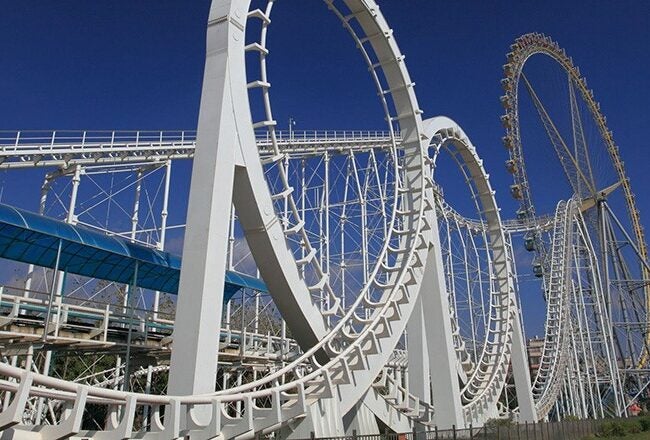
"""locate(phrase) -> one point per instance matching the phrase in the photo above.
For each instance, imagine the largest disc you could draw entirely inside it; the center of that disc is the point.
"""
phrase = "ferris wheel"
(561, 148)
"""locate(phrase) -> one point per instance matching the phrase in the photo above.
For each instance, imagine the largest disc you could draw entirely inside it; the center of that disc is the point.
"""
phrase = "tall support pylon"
(521, 374)
(418, 354)
(226, 170)
(442, 358)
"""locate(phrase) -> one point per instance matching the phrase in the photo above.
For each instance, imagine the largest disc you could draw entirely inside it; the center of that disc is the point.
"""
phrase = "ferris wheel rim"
(523, 49)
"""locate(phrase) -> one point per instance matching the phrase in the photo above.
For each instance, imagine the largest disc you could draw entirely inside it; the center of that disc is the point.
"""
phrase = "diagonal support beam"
(227, 170)
(579, 140)
(563, 152)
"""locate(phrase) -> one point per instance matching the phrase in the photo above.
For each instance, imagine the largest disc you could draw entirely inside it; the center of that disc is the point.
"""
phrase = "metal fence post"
(354, 434)
(548, 432)
(471, 431)
(312, 436)
(415, 434)
(453, 428)
(436, 431)
(526, 425)
(534, 430)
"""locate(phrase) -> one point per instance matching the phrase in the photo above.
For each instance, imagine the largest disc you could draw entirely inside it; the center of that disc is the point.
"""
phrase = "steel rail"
(553, 363)
(28, 149)
(487, 378)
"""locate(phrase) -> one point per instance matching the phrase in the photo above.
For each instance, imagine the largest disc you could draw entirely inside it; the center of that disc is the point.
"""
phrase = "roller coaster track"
(28, 149)
(448, 135)
(349, 356)
(487, 377)
(550, 374)
(362, 338)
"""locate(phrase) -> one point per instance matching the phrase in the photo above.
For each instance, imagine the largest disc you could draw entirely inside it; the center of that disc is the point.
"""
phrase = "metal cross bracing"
(316, 210)
(406, 221)
(400, 399)
(385, 301)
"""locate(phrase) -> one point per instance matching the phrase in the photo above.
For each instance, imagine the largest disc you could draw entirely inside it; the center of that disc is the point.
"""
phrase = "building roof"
(34, 239)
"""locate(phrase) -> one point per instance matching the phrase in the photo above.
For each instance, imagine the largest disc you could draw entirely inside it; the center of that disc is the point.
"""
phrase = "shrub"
(644, 422)
(611, 429)
(618, 429)
(633, 427)
(494, 424)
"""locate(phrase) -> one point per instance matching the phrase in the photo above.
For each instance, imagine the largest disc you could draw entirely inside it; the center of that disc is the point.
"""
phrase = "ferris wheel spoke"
(569, 162)
(579, 140)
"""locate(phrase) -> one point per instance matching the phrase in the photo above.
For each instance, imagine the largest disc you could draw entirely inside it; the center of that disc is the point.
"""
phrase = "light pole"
(292, 122)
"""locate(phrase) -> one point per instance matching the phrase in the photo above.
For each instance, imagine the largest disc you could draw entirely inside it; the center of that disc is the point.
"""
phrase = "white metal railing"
(17, 139)
(25, 149)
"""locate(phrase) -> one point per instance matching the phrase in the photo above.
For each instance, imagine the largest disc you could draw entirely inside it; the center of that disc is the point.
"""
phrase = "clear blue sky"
(138, 64)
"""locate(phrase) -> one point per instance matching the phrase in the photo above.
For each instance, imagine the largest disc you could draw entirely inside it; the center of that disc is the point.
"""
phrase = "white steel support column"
(193, 368)
(45, 189)
(69, 219)
(442, 357)
(135, 215)
(164, 214)
(521, 372)
(76, 180)
(418, 354)
(227, 169)
(58, 276)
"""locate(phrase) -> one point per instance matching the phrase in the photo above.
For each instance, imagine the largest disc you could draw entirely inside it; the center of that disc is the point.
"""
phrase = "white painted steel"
(28, 149)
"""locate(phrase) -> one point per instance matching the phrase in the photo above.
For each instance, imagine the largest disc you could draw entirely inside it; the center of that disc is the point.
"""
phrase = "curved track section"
(487, 378)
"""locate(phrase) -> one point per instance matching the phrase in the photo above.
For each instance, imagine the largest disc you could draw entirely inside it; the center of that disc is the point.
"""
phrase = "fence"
(563, 430)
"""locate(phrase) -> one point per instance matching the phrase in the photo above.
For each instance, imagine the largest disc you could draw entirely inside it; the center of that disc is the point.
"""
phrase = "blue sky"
(126, 64)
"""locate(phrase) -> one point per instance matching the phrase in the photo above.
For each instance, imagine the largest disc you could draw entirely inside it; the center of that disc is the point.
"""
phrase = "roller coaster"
(361, 289)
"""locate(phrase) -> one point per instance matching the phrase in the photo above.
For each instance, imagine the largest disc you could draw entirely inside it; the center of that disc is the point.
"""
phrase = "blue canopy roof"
(31, 238)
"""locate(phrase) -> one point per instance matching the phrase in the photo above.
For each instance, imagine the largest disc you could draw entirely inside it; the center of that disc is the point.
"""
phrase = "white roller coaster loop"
(358, 345)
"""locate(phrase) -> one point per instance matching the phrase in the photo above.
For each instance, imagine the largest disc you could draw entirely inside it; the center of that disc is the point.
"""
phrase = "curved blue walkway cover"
(31, 238)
